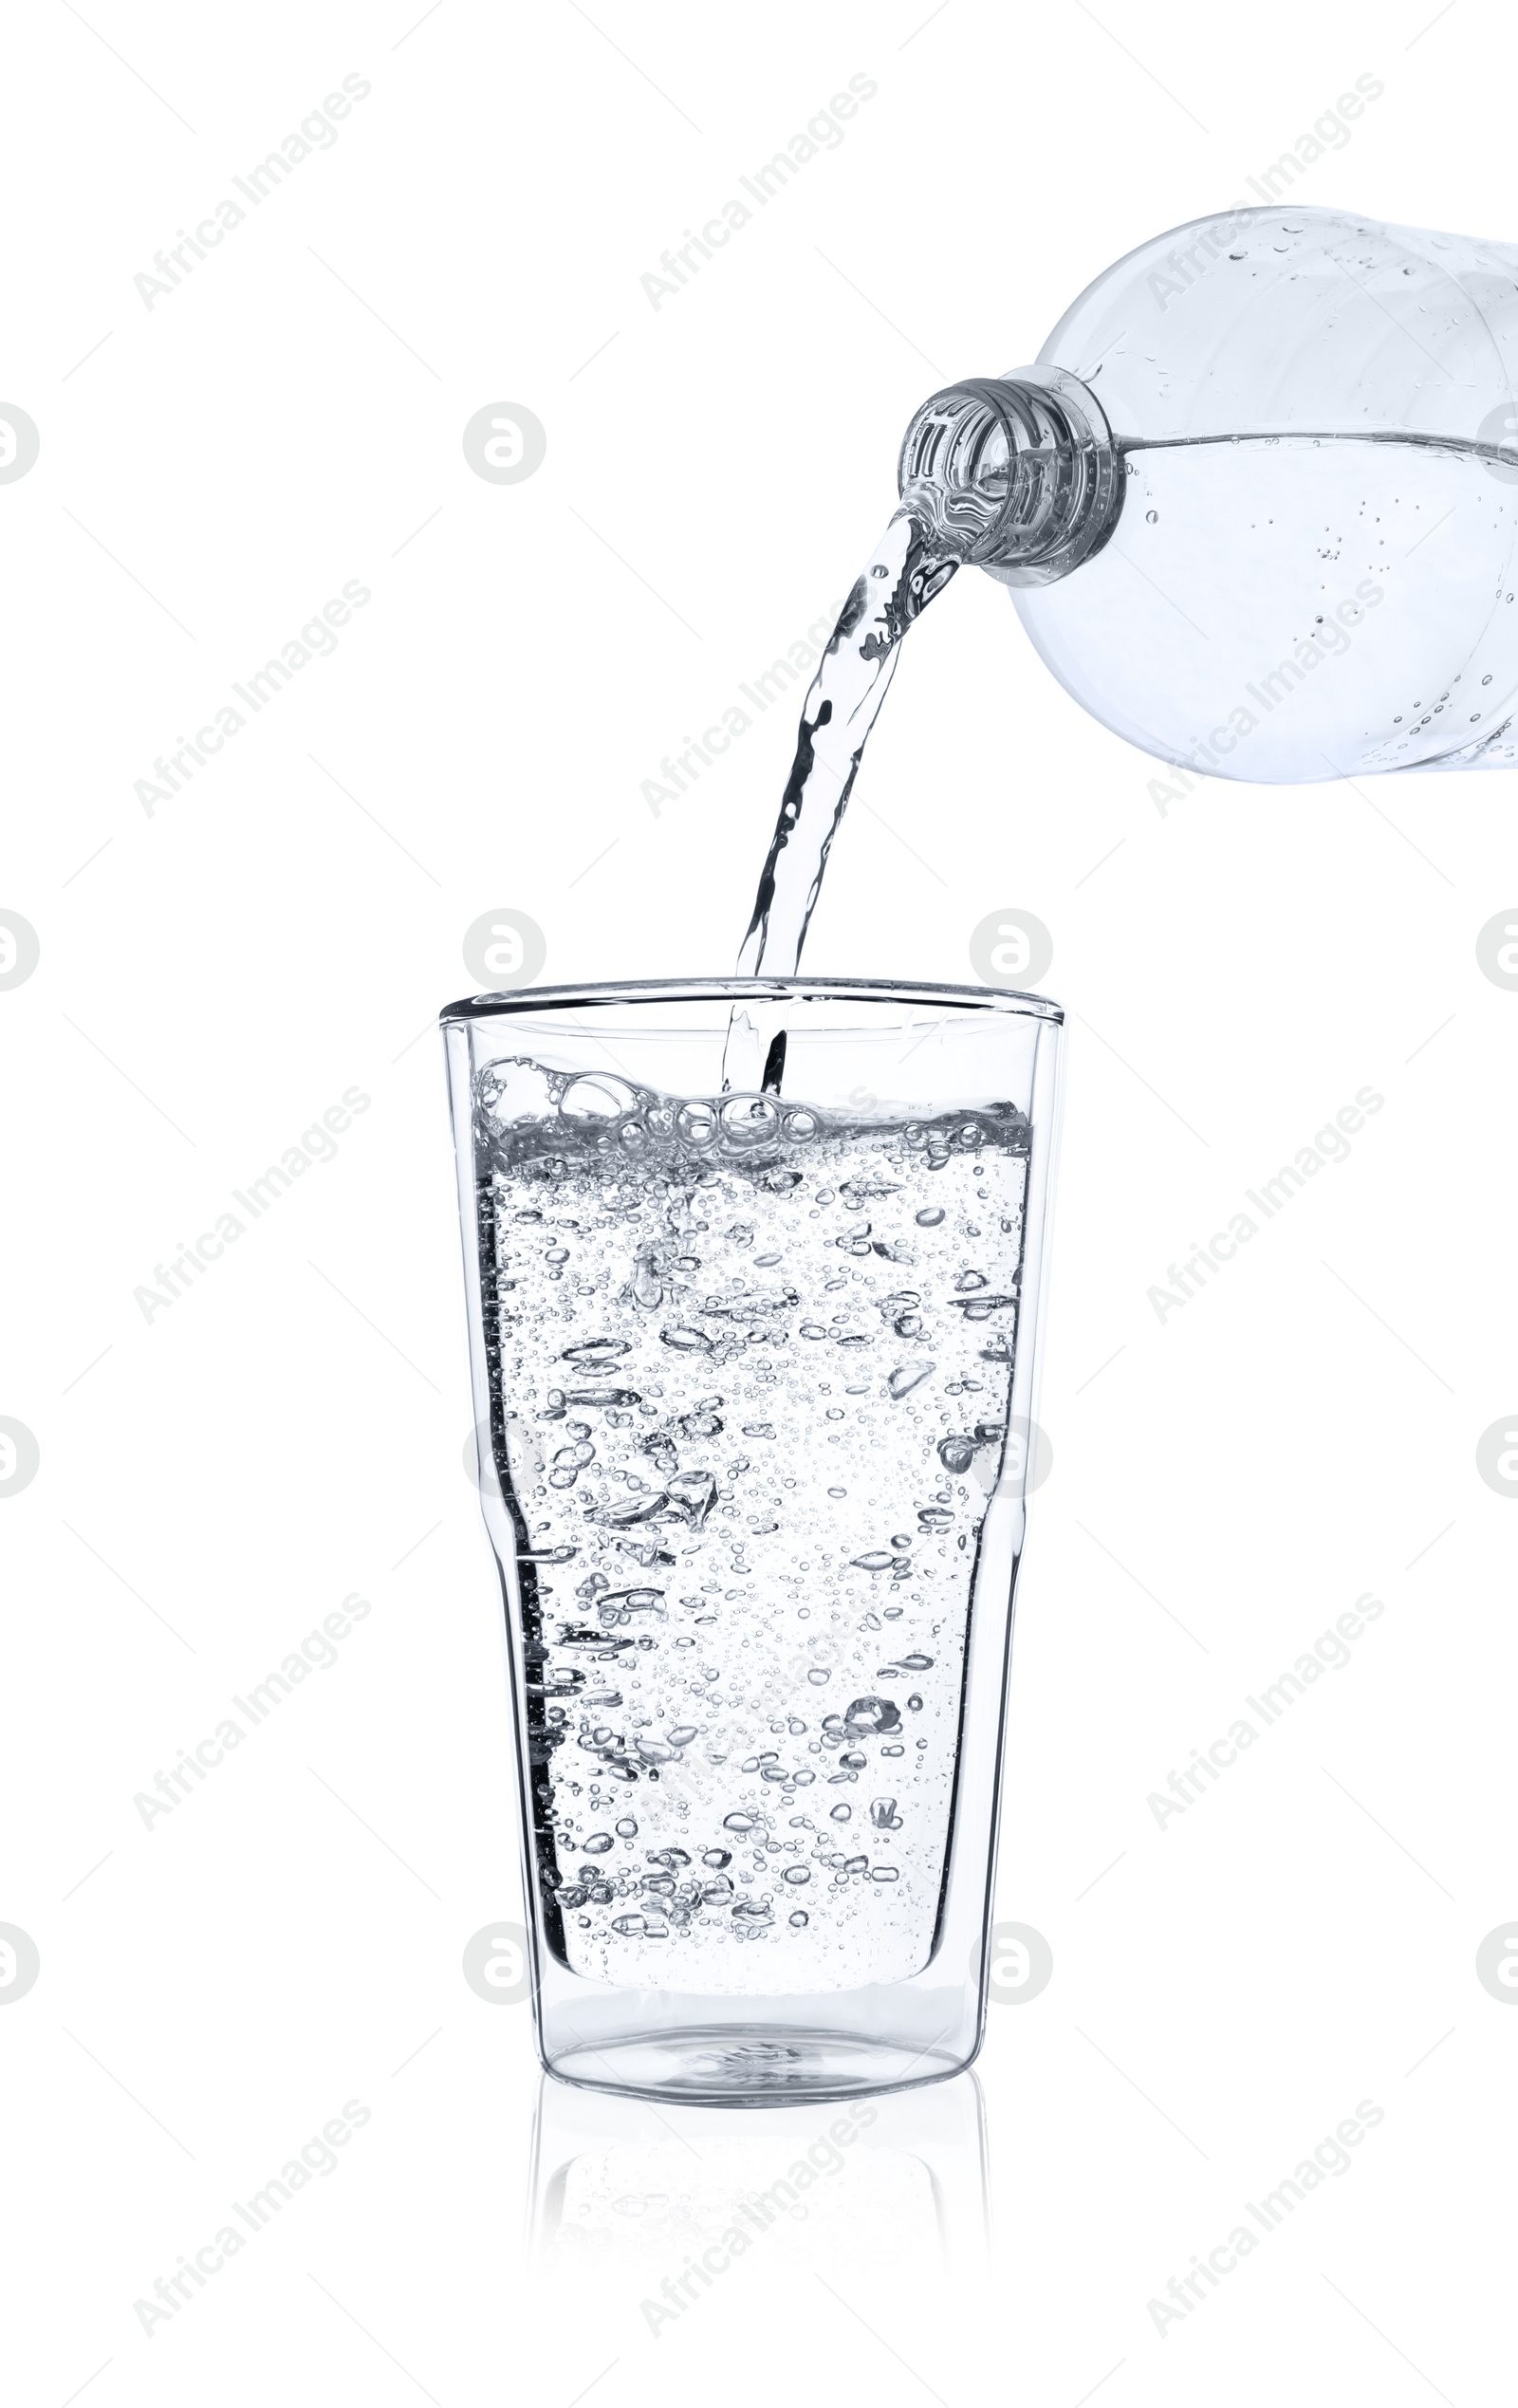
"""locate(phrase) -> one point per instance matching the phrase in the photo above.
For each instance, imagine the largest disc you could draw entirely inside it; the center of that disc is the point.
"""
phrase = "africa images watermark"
(678, 772)
(1329, 1652)
(317, 639)
(1183, 266)
(316, 1144)
(759, 2212)
(317, 2159)
(318, 131)
(1329, 641)
(1330, 1144)
(824, 132)
(1332, 131)
(1330, 2158)
(317, 1651)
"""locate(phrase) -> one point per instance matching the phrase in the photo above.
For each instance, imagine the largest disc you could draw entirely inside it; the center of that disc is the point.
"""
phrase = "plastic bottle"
(1257, 500)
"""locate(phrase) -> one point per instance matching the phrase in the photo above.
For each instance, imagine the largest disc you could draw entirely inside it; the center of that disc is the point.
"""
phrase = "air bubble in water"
(697, 1123)
(902, 1382)
(749, 1120)
(869, 1715)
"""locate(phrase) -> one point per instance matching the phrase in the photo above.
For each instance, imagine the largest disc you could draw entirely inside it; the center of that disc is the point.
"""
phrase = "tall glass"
(753, 1378)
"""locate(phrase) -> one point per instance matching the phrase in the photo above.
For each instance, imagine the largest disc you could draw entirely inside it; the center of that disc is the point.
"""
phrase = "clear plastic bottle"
(1257, 500)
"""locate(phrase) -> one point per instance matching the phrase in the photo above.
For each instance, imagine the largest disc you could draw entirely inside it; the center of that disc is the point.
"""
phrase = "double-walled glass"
(754, 1373)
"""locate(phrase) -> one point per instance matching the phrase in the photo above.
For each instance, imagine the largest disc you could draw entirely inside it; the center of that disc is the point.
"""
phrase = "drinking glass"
(753, 1373)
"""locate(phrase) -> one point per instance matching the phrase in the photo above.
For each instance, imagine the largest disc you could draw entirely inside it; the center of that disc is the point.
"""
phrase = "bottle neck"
(1017, 474)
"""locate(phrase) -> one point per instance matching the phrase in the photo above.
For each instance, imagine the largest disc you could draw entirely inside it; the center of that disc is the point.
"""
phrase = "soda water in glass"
(753, 1386)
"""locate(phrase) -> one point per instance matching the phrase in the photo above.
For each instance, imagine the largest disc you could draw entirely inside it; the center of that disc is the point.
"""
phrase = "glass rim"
(1008, 1002)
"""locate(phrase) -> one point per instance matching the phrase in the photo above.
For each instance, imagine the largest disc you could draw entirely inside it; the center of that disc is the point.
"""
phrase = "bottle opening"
(1017, 474)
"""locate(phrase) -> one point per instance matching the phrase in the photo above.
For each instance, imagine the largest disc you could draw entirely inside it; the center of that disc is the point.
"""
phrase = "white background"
(213, 976)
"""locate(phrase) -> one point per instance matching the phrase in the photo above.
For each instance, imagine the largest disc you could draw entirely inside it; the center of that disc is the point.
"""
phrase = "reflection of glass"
(756, 1370)
(647, 2210)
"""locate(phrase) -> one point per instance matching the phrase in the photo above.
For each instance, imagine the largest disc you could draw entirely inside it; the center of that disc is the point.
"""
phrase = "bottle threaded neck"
(1017, 474)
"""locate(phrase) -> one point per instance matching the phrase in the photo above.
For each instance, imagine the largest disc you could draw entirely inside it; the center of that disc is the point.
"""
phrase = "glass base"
(752, 2066)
